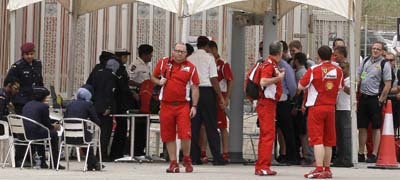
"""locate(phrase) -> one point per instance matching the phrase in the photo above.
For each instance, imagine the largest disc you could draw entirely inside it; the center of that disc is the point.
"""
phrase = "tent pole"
(12, 37)
(355, 28)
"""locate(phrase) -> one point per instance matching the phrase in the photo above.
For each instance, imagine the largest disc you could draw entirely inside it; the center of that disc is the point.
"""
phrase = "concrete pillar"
(355, 36)
(71, 50)
(236, 107)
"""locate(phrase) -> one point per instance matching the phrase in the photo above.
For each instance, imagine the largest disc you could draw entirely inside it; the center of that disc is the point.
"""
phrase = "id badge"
(363, 75)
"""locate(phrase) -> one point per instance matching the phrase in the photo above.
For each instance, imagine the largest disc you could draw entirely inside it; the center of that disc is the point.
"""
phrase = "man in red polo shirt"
(177, 77)
(270, 82)
(323, 82)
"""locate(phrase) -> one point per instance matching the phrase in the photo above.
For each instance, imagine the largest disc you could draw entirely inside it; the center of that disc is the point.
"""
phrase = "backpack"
(252, 82)
(381, 84)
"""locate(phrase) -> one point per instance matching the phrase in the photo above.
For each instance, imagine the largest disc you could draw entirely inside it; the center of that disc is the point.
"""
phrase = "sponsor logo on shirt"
(329, 85)
(185, 68)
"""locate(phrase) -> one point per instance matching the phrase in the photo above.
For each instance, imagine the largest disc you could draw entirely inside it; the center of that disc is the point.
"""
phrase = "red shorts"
(221, 116)
(321, 125)
(173, 118)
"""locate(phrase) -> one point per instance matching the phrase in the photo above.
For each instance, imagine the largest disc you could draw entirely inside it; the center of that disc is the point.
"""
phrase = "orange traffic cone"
(387, 150)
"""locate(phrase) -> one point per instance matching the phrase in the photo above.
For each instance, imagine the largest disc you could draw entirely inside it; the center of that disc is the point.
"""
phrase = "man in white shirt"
(207, 106)
(343, 122)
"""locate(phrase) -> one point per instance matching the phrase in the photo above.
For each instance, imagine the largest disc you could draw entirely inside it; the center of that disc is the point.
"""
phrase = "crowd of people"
(311, 105)
(309, 100)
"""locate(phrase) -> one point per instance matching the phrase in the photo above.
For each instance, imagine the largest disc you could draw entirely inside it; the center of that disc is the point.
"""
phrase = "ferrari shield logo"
(329, 85)
(325, 70)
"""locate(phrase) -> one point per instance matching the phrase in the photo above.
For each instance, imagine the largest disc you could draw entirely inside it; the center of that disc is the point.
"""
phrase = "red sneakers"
(225, 157)
(318, 174)
(265, 172)
(203, 157)
(173, 167)
(329, 174)
(187, 163)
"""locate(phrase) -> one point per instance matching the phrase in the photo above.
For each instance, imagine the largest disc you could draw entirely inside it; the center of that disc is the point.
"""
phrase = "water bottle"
(38, 161)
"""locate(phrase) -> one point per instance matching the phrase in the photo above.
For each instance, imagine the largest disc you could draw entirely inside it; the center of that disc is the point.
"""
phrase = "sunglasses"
(390, 59)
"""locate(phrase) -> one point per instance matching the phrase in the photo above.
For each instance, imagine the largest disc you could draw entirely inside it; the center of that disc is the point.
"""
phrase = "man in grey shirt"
(375, 84)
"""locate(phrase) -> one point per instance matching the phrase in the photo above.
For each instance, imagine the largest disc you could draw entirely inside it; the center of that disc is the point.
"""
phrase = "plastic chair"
(18, 132)
(6, 136)
(75, 128)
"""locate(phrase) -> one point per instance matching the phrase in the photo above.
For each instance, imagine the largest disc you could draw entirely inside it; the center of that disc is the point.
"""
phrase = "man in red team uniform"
(323, 82)
(225, 79)
(176, 76)
(270, 82)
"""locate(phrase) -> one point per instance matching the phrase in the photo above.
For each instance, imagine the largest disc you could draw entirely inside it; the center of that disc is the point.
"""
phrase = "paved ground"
(116, 171)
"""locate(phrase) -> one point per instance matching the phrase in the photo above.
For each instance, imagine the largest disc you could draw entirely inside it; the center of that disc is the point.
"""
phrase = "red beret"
(27, 47)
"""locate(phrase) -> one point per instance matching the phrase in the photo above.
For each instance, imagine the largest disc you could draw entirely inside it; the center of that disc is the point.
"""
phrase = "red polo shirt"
(323, 82)
(224, 74)
(269, 70)
(179, 79)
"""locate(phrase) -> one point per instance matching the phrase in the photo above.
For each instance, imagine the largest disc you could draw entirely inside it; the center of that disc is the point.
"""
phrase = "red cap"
(27, 47)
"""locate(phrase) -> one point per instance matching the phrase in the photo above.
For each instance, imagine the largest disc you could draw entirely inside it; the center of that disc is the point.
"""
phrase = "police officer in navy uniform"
(104, 84)
(124, 101)
(82, 107)
(103, 58)
(11, 87)
(38, 111)
(28, 71)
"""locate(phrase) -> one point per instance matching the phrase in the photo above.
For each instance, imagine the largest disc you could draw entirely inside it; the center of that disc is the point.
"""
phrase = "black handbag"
(154, 101)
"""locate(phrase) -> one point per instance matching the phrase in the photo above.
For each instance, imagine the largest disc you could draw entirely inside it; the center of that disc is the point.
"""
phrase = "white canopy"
(261, 6)
(82, 6)
(169, 5)
(16, 4)
(339, 7)
(193, 6)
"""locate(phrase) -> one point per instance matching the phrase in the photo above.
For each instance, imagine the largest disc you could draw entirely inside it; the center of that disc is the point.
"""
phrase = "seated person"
(83, 108)
(11, 88)
(38, 111)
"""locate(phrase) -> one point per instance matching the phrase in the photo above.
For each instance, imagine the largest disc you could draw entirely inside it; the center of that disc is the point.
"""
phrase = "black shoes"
(18, 164)
(220, 163)
(198, 162)
(95, 167)
(371, 159)
(61, 167)
(361, 157)
(342, 164)
(45, 166)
